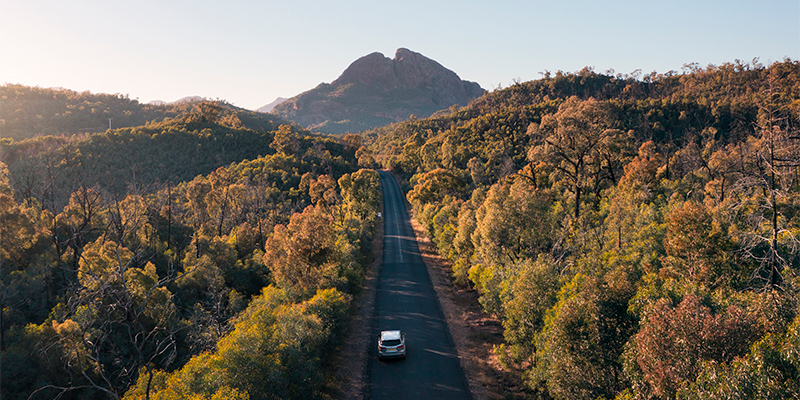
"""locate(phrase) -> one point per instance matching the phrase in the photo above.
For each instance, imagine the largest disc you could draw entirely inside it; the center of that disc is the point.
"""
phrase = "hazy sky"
(250, 52)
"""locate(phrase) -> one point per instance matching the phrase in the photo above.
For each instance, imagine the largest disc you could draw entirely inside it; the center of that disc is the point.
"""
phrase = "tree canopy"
(637, 235)
(135, 260)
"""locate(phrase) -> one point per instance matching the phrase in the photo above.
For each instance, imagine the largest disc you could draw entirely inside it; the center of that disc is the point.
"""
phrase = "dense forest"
(637, 235)
(213, 254)
(33, 111)
(206, 136)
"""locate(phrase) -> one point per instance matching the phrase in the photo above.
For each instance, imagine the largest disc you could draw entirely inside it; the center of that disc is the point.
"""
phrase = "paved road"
(406, 300)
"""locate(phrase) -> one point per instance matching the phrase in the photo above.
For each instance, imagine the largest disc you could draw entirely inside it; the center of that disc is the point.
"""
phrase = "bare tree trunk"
(773, 274)
(169, 216)
(2, 324)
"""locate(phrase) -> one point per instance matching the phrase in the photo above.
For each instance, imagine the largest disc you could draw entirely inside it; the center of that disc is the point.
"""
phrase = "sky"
(250, 52)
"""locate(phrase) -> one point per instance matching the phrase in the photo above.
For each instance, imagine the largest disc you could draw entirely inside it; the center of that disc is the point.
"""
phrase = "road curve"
(406, 300)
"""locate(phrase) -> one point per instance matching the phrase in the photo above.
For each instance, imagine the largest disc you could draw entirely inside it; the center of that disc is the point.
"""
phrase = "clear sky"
(250, 52)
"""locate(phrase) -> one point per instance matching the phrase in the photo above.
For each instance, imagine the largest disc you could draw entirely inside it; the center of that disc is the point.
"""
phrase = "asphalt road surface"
(405, 300)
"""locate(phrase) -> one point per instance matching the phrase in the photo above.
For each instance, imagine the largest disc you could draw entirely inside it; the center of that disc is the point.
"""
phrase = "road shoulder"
(474, 333)
(352, 356)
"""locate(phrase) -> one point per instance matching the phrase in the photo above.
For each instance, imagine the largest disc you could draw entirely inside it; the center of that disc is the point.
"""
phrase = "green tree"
(24, 263)
(435, 185)
(299, 253)
(674, 341)
(361, 192)
(322, 192)
(224, 200)
(285, 141)
(514, 222)
(275, 351)
(121, 319)
(695, 246)
(207, 111)
(365, 158)
(352, 143)
(578, 350)
(634, 221)
(532, 292)
(80, 222)
(572, 141)
(129, 222)
(768, 371)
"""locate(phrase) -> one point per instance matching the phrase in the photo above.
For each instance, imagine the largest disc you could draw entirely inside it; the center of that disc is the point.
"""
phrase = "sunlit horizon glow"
(249, 53)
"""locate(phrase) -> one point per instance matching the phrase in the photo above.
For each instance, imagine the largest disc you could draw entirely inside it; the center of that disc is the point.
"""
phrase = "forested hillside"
(32, 111)
(636, 235)
(27, 112)
(208, 135)
(197, 257)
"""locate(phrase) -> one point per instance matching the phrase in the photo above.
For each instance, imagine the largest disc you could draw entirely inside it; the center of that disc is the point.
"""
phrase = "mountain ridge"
(268, 107)
(376, 90)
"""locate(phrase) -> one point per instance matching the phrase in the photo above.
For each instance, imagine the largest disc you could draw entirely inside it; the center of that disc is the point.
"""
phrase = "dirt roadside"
(474, 332)
(350, 379)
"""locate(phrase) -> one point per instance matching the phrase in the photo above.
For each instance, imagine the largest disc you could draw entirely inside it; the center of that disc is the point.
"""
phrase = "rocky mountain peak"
(376, 90)
(373, 70)
(408, 70)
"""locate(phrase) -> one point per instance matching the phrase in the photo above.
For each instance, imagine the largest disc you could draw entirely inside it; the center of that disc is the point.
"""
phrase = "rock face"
(376, 90)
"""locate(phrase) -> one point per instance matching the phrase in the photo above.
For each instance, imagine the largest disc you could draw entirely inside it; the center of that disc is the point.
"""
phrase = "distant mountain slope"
(375, 91)
(186, 99)
(189, 99)
(267, 108)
